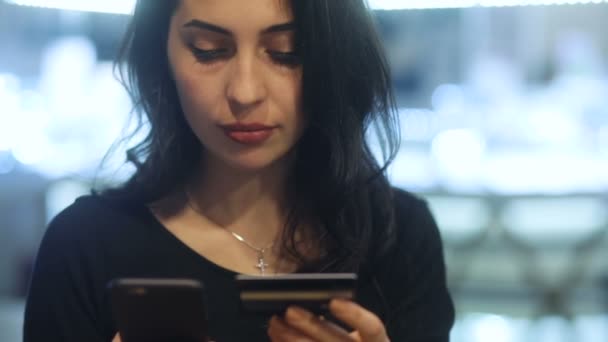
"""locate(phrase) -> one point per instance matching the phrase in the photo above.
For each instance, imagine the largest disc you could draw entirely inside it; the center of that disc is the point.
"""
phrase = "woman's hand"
(302, 325)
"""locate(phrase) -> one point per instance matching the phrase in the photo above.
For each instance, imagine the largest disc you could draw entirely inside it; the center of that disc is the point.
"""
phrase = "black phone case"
(155, 310)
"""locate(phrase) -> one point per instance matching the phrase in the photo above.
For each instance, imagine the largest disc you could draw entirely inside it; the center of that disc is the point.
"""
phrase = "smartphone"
(311, 291)
(159, 310)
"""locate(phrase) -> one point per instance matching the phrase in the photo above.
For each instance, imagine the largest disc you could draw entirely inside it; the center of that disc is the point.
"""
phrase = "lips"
(248, 134)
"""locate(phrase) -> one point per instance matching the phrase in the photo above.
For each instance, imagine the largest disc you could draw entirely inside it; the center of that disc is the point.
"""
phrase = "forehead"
(236, 14)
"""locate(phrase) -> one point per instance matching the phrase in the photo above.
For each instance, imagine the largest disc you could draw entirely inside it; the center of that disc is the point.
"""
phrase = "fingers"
(309, 324)
(279, 331)
(367, 325)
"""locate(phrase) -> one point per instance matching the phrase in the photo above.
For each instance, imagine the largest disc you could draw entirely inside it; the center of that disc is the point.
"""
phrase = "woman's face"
(238, 79)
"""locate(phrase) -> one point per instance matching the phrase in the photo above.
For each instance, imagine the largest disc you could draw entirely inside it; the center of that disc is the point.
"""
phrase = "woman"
(256, 161)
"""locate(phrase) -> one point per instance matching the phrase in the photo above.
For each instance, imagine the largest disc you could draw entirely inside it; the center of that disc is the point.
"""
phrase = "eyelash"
(208, 56)
(289, 59)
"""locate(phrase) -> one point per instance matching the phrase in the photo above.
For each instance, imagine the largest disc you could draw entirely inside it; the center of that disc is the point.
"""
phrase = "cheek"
(187, 88)
(196, 97)
(288, 96)
(200, 108)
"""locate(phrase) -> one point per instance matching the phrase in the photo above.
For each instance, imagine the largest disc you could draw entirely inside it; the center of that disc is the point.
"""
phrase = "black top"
(96, 240)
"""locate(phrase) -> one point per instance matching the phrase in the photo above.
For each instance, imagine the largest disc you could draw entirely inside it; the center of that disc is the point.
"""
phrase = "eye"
(208, 56)
(290, 59)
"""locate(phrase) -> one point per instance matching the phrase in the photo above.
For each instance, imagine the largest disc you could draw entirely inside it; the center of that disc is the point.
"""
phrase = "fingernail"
(339, 304)
(295, 312)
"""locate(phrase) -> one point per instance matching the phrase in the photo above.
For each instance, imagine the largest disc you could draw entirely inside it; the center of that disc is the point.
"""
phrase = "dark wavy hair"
(347, 91)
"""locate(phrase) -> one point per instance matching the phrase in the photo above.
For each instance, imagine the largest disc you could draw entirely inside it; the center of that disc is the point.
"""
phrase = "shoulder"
(93, 210)
(75, 260)
(412, 277)
(406, 225)
(414, 221)
(417, 249)
(88, 220)
(83, 209)
(407, 204)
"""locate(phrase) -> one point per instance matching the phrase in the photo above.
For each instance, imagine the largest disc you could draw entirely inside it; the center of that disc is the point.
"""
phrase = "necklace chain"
(241, 239)
(261, 265)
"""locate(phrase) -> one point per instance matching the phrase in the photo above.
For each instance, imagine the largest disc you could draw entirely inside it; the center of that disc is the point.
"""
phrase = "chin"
(252, 162)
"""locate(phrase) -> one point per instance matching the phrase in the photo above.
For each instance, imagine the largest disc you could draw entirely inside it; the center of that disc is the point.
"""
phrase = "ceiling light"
(102, 6)
(431, 4)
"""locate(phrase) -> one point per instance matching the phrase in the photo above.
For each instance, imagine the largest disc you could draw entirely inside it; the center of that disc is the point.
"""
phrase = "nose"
(245, 85)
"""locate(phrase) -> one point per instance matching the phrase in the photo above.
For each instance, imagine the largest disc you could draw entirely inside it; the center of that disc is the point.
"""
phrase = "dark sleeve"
(60, 304)
(421, 306)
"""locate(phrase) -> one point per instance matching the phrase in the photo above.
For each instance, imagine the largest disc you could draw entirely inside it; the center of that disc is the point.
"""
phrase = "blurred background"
(504, 118)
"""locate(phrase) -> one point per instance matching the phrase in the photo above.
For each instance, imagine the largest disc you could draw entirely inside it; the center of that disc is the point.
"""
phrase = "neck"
(250, 203)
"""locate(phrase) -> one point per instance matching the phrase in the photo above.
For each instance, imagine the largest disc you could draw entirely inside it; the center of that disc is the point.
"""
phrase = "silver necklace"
(262, 264)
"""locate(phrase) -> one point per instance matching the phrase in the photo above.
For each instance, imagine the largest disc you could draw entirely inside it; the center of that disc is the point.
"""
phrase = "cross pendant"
(261, 263)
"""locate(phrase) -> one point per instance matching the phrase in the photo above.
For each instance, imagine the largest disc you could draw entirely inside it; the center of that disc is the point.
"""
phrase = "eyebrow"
(202, 25)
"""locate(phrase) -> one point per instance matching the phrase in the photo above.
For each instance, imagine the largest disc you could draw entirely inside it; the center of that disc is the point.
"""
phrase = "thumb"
(116, 338)
(355, 336)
